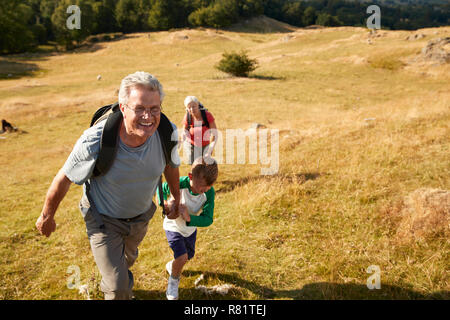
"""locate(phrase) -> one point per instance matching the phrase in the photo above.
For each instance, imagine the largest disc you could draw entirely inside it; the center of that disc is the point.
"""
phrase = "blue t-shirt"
(127, 189)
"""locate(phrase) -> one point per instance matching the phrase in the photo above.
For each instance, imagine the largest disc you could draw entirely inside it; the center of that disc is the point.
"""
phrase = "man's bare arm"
(57, 191)
(172, 176)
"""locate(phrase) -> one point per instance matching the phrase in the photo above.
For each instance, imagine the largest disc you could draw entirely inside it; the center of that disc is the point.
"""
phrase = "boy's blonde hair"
(207, 170)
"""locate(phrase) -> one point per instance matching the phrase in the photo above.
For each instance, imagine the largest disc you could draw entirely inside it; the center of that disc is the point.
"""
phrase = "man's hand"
(58, 189)
(46, 225)
(172, 209)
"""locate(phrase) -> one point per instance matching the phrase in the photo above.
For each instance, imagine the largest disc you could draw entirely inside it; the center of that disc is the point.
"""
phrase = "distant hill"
(261, 24)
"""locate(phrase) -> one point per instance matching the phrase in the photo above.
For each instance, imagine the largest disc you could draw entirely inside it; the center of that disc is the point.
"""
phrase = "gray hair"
(190, 99)
(139, 78)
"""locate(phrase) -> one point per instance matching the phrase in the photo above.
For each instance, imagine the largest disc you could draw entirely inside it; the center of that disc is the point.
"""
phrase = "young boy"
(196, 210)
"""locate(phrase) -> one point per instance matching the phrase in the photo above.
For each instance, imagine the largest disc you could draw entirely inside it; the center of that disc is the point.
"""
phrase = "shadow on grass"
(264, 77)
(15, 66)
(97, 43)
(312, 291)
(13, 69)
(230, 185)
(347, 291)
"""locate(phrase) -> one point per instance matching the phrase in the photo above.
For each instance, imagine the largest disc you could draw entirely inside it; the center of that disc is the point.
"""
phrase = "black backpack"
(110, 138)
(204, 117)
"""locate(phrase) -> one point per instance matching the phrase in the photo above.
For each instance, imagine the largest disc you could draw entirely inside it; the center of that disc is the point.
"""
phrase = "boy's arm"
(205, 219)
(184, 183)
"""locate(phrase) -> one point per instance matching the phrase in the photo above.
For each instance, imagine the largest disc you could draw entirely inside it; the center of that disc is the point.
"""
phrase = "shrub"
(237, 64)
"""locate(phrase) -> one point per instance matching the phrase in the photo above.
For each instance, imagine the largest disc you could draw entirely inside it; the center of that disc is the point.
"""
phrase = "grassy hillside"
(361, 127)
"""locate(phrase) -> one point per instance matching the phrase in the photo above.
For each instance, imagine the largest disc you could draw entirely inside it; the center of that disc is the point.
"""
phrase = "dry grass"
(423, 214)
(354, 138)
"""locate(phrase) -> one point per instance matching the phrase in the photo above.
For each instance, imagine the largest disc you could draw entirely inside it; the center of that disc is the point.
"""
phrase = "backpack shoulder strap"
(205, 118)
(165, 131)
(161, 197)
(103, 113)
(188, 120)
(109, 140)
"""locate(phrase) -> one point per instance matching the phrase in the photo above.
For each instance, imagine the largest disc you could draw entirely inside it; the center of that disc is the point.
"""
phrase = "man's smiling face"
(139, 113)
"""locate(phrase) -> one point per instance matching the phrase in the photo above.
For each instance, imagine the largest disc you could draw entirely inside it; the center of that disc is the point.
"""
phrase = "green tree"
(16, 35)
(160, 16)
(250, 8)
(39, 33)
(166, 14)
(64, 35)
(35, 22)
(104, 17)
(333, 5)
(326, 19)
(47, 8)
(200, 17)
(217, 15)
(127, 15)
(293, 13)
(225, 13)
(273, 9)
(351, 17)
(309, 16)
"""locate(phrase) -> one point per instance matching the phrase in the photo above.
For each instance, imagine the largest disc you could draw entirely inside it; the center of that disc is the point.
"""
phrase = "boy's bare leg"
(178, 264)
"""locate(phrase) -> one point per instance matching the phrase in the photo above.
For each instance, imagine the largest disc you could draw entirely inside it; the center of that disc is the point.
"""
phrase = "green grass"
(308, 232)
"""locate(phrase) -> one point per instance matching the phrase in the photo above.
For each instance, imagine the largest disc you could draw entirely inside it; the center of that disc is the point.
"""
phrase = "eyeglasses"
(155, 111)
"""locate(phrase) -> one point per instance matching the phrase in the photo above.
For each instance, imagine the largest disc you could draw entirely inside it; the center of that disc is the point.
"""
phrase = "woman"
(197, 123)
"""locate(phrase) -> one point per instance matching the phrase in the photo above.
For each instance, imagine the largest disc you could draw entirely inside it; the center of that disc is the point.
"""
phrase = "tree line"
(26, 24)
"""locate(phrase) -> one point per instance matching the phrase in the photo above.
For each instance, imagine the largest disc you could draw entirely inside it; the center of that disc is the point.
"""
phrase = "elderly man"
(122, 198)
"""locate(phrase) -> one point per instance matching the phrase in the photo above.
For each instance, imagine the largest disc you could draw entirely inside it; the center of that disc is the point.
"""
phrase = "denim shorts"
(181, 245)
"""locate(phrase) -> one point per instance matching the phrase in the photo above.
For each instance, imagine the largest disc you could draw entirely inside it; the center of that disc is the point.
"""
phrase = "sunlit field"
(362, 124)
